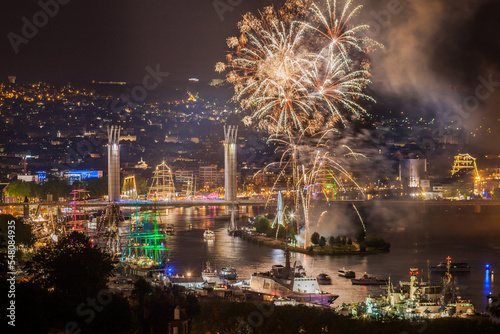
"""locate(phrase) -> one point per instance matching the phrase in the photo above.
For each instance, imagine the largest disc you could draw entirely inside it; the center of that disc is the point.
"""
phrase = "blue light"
(487, 266)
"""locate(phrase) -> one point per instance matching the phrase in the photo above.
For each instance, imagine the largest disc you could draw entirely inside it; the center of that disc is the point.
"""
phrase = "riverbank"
(266, 241)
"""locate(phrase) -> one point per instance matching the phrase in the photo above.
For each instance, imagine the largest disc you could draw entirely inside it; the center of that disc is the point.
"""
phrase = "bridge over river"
(477, 204)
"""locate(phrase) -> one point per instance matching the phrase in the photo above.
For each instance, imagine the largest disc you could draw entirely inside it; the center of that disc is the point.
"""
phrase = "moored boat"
(454, 266)
(324, 279)
(369, 280)
(346, 273)
(228, 273)
(209, 235)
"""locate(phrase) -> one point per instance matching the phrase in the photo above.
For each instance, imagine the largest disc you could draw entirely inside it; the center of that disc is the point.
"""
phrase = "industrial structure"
(114, 163)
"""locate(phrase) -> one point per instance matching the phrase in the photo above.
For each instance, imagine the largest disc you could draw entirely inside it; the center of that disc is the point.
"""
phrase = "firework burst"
(294, 69)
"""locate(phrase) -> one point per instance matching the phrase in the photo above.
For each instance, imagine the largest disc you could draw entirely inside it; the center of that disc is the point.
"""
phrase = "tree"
(141, 184)
(360, 235)
(18, 188)
(262, 224)
(331, 241)
(97, 186)
(343, 240)
(377, 242)
(56, 187)
(23, 232)
(322, 241)
(315, 238)
(74, 267)
(349, 241)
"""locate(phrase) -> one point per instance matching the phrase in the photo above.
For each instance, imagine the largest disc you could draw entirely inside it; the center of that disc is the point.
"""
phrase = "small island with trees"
(263, 233)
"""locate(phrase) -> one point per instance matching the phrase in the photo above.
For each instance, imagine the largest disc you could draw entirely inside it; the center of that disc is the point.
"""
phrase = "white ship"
(209, 274)
(209, 235)
(285, 281)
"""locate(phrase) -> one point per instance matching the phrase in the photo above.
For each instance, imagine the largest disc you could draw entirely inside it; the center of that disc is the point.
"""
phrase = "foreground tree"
(23, 232)
(73, 266)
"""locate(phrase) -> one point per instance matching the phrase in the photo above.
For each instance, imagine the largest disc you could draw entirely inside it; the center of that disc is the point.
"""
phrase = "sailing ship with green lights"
(146, 243)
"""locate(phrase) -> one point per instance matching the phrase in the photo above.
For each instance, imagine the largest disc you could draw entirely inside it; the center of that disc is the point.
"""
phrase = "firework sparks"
(308, 164)
(293, 69)
(301, 71)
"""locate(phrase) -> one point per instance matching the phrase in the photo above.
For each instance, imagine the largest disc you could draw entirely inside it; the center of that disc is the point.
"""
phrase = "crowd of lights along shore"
(301, 70)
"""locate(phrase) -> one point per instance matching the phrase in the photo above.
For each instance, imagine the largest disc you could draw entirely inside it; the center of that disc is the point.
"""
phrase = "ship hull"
(281, 288)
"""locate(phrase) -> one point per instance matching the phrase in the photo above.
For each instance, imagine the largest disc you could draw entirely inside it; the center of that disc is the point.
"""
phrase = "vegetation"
(154, 307)
(377, 243)
(331, 241)
(73, 267)
(322, 242)
(315, 238)
(97, 187)
(360, 235)
(265, 318)
(496, 193)
(24, 234)
(19, 189)
(262, 224)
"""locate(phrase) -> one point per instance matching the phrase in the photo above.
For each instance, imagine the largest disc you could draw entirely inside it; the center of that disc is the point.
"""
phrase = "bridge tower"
(230, 162)
(230, 169)
(114, 163)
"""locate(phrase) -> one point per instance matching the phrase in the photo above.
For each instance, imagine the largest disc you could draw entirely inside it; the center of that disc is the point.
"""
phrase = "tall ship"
(77, 219)
(145, 244)
(290, 282)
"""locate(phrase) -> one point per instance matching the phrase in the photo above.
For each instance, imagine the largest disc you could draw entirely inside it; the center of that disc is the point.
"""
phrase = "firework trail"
(309, 165)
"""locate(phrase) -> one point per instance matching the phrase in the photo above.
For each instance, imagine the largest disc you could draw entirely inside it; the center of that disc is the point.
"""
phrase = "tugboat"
(209, 235)
(290, 282)
(228, 273)
(346, 273)
(454, 266)
(369, 280)
(324, 279)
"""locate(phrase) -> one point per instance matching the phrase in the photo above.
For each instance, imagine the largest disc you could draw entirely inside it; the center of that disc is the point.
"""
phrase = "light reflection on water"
(190, 252)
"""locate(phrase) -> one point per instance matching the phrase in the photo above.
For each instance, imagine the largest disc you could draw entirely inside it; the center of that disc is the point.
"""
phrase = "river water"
(411, 247)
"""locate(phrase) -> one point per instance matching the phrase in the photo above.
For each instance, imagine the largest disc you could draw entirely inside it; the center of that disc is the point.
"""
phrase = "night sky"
(117, 39)
(435, 50)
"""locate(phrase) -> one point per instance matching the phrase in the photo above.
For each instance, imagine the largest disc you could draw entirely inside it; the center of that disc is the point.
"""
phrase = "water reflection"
(190, 252)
